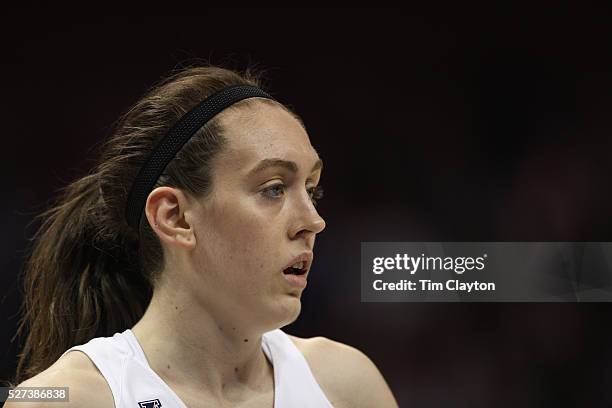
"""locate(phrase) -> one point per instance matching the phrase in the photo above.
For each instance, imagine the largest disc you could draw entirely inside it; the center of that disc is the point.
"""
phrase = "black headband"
(176, 138)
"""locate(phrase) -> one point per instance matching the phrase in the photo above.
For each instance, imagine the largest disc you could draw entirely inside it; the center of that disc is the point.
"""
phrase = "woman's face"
(259, 216)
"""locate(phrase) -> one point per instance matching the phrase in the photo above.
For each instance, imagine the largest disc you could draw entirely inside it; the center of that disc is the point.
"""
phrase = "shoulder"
(346, 375)
(77, 372)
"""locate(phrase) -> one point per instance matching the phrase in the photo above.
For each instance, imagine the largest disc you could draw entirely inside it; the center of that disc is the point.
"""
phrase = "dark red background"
(458, 125)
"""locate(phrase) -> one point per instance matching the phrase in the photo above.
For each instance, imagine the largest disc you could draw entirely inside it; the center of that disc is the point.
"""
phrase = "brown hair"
(88, 274)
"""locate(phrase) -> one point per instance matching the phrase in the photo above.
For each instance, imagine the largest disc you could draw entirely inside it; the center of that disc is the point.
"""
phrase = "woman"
(190, 244)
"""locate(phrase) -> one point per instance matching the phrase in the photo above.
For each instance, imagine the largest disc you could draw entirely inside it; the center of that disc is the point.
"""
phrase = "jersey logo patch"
(154, 403)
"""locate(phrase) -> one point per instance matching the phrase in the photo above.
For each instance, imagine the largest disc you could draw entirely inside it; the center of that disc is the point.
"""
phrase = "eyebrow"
(287, 164)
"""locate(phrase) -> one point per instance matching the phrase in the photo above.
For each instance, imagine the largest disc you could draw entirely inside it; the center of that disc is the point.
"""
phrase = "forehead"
(260, 131)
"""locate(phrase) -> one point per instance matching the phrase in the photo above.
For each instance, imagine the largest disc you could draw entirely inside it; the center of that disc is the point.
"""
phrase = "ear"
(165, 211)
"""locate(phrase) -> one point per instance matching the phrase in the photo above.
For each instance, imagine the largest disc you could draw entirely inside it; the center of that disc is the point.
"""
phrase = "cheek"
(245, 242)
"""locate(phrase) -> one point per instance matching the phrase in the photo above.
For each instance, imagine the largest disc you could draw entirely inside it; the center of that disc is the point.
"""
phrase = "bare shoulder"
(346, 375)
(77, 372)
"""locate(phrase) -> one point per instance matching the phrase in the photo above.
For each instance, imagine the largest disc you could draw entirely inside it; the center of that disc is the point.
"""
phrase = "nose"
(307, 221)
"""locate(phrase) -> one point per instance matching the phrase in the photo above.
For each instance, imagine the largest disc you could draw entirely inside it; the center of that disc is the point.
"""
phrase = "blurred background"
(458, 125)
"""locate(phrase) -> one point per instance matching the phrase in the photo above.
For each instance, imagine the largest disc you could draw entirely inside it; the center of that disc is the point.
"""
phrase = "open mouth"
(295, 274)
(298, 269)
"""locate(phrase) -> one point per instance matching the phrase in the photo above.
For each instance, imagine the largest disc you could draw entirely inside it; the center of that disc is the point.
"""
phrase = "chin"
(287, 311)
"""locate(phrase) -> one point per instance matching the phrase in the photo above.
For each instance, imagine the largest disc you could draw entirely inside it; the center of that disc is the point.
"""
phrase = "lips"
(297, 277)
(300, 265)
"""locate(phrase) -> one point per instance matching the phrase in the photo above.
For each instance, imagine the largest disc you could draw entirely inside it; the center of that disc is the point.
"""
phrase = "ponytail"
(82, 281)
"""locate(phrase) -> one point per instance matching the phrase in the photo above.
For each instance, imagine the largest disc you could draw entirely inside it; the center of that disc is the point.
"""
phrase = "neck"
(188, 345)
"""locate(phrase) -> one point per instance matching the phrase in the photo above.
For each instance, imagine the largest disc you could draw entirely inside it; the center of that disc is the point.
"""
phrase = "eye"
(275, 191)
(315, 193)
(278, 190)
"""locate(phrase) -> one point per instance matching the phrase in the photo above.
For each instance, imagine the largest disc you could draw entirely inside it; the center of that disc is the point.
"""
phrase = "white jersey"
(134, 384)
